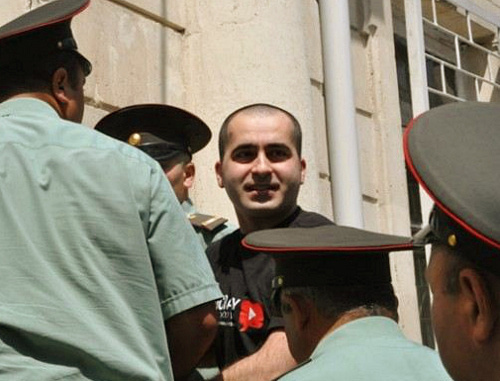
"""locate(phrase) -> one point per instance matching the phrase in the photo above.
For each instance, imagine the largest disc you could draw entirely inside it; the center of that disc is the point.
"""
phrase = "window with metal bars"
(462, 49)
(462, 62)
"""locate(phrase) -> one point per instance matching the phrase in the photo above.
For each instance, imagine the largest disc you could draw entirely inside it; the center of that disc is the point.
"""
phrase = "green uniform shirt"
(370, 349)
(95, 253)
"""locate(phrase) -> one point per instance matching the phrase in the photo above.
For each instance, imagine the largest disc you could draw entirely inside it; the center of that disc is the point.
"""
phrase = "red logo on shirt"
(251, 315)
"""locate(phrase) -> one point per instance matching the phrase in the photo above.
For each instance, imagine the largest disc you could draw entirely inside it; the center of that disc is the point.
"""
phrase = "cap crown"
(40, 32)
(453, 151)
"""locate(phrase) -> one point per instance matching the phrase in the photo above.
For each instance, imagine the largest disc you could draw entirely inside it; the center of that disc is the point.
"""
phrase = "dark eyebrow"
(277, 145)
(244, 146)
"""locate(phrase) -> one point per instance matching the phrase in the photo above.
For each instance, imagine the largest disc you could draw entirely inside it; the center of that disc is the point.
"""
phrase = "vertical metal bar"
(443, 78)
(434, 12)
(469, 26)
(457, 52)
(476, 83)
(497, 41)
(488, 66)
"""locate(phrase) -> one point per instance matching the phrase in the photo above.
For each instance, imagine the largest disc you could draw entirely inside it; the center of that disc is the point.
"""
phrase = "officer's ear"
(60, 86)
(478, 305)
(189, 173)
(299, 310)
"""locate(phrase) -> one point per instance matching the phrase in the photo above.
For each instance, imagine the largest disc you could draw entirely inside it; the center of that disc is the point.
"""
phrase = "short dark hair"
(259, 108)
(182, 158)
(332, 302)
(36, 75)
(457, 262)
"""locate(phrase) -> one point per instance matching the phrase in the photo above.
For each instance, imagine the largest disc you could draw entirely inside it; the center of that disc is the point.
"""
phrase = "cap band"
(163, 151)
(338, 270)
(446, 231)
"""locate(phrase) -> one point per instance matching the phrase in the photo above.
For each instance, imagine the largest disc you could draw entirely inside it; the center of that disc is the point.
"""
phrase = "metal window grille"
(450, 53)
(461, 52)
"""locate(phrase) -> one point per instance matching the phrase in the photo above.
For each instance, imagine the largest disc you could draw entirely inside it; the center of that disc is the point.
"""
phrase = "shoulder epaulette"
(206, 222)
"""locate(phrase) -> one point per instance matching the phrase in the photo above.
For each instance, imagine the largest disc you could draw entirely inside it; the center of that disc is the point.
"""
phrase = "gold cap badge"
(134, 139)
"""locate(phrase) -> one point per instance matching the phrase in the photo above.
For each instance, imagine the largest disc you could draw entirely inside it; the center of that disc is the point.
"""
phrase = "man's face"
(446, 316)
(261, 169)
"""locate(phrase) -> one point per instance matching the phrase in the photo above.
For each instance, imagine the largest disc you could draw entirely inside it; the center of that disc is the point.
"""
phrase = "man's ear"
(189, 172)
(60, 86)
(300, 309)
(302, 170)
(218, 173)
(478, 304)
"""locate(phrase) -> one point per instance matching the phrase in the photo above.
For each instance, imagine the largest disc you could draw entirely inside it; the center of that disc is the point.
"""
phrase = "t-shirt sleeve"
(275, 322)
(183, 275)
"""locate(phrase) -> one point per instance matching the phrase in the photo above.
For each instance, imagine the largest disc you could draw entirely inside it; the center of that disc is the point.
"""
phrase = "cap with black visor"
(41, 32)
(163, 132)
(328, 255)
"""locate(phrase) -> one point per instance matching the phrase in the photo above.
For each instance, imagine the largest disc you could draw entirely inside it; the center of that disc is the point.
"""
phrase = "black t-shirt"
(245, 279)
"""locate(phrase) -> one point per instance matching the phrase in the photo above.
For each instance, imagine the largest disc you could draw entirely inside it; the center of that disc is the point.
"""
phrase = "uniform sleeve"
(183, 275)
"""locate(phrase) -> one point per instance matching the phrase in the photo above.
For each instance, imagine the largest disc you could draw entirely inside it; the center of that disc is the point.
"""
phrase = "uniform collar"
(360, 330)
(26, 106)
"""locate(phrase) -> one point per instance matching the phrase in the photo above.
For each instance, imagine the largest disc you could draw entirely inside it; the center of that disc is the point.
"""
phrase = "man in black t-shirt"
(261, 169)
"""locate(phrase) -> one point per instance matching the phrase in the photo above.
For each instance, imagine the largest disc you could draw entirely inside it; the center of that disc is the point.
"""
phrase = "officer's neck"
(40, 95)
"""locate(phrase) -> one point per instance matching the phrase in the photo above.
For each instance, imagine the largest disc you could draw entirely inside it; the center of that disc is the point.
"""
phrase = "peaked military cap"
(454, 152)
(328, 255)
(40, 32)
(159, 130)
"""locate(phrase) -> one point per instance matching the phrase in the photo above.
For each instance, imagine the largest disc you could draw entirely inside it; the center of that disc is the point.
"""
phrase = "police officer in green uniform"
(101, 275)
(171, 136)
(454, 152)
(333, 289)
